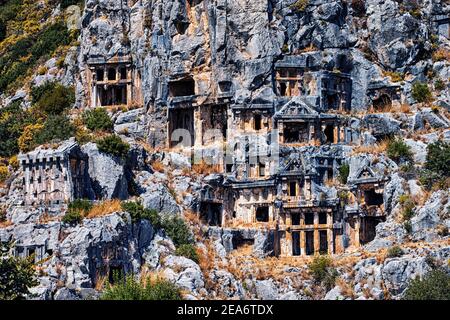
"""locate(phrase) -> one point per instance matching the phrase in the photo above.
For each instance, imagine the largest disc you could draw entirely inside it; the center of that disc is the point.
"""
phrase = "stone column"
(357, 230)
(330, 239)
(316, 233)
(288, 234)
(302, 243)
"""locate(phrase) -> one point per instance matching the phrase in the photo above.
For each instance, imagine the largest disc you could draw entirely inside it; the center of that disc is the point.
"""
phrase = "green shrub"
(399, 151)
(97, 120)
(13, 66)
(438, 158)
(435, 285)
(8, 11)
(56, 128)
(408, 226)
(53, 98)
(4, 172)
(394, 252)
(131, 289)
(72, 217)
(420, 92)
(16, 275)
(437, 166)
(439, 85)
(189, 251)
(138, 212)
(67, 3)
(80, 205)
(76, 210)
(344, 171)
(13, 120)
(428, 178)
(322, 271)
(177, 229)
(408, 206)
(113, 145)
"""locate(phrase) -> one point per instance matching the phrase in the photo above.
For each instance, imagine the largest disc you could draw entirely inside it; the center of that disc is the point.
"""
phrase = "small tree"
(145, 289)
(16, 275)
(137, 212)
(438, 158)
(434, 286)
(76, 210)
(177, 229)
(53, 98)
(189, 251)
(437, 166)
(113, 145)
(344, 171)
(394, 252)
(97, 120)
(420, 92)
(322, 270)
(399, 151)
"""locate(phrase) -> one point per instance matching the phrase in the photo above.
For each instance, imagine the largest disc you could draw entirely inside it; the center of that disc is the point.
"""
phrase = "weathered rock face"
(230, 50)
(395, 37)
(107, 174)
(236, 43)
(434, 212)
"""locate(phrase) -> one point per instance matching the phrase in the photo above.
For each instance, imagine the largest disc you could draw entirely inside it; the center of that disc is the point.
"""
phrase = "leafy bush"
(56, 128)
(322, 271)
(12, 123)
(437, 166)
(14, 162)
(394, 252)
(27, 140)
(439, 85)
(420, 92)
(399, 151)
(408, 226)
(395, 76)
(131, 289)
(8, 10)
(408, 206)
(72, 217)
(76, 210)
(80, 205)
(4, 173)
(189, 251)
(138, 212)
(13, 64)
(113, 145)
(177, 229)
(97, 119)
(16, 275)
(344, 171)
(53, 98)
(67, 3)
(434, 286)
(438, 158)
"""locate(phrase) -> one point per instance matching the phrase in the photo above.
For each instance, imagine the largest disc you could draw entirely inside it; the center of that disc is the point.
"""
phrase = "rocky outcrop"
(107, 174)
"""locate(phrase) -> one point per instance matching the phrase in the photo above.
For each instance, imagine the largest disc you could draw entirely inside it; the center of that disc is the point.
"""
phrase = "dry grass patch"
(205, 168)
(377, 148)
(441, 54)
(104, 208)
(5, 224)
(157, 166)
